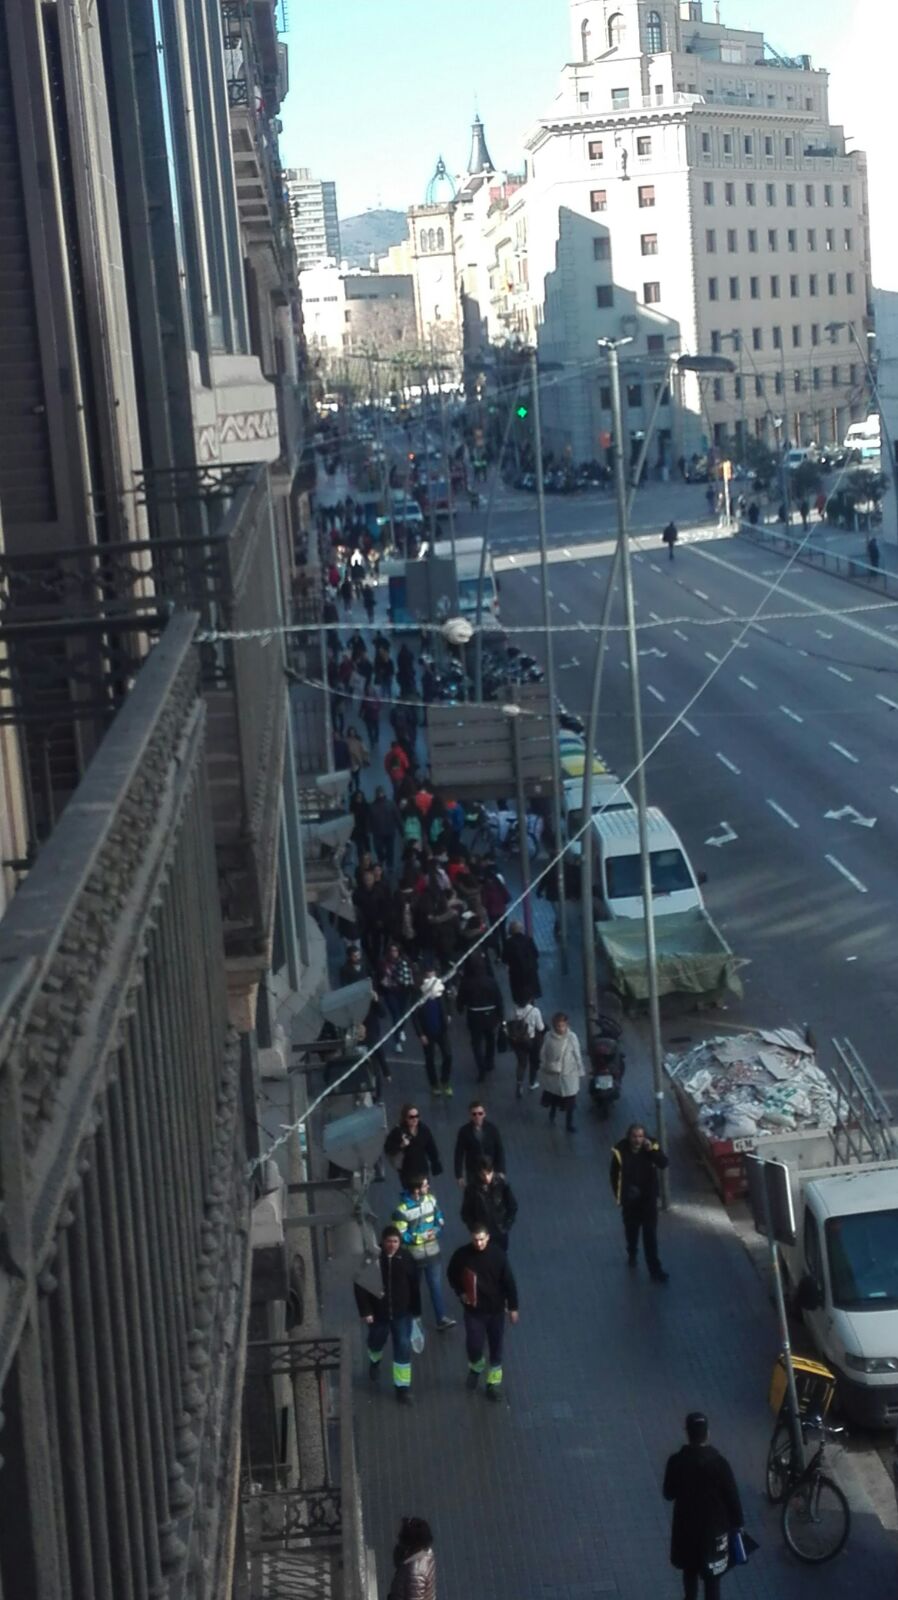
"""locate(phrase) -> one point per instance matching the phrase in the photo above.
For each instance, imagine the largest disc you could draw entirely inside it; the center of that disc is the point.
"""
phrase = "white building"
(351, 312)
(688, 190)
(313, 215)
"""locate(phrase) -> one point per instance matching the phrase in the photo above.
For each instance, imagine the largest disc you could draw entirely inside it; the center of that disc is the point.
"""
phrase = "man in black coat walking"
(522, 960)
(390, 1312)
(706, 1510)
(478, 1138)
(479, 994)
(411, 1147)
(483, 1280)
(635, 1163)
(490, 1203)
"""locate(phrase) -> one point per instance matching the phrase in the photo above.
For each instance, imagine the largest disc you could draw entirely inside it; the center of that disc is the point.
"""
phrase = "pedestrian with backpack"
(526, 1031)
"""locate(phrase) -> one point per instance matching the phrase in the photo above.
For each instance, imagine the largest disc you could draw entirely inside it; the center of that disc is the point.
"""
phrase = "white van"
(468, 553)
(608, 795)
(618, 871)
(865, 438)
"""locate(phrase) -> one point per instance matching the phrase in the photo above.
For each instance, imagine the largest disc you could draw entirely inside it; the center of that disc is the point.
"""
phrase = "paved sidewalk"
(555, 1495)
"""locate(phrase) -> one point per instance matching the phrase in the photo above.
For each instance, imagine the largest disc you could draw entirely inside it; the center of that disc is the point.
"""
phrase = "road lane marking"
(534, 578)
(650, 689)
(654, 616)
(846, 677)
(731, 765)
(853, 813)
(711, 657)
(564, 608)
(793, 714)
(843, 752)
(760, 627)
(781, 813)
(855, 882)
(748, 683)
(729, 611)
(823, 635)
(688, 725)
(727, 837)
(813, 609)
(701, 594)
(683, 636)
(654, 566)
(892, 704)
(625, 665)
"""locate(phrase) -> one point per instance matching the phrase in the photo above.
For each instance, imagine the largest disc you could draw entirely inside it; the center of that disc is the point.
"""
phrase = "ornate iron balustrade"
(124, 1207)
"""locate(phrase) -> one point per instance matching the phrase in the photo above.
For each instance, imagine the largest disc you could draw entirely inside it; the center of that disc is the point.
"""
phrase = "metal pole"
(639, 758)
(550, 657)
(378, 433)
(445, 436)
(590, 984)
(523, 845)
(484, 549)
(782, 1318)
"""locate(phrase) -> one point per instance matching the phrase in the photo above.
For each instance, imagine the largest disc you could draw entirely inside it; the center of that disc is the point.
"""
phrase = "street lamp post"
(550, 660)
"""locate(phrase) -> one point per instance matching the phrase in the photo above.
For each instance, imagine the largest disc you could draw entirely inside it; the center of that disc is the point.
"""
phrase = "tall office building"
(313, 215)
(688, 191)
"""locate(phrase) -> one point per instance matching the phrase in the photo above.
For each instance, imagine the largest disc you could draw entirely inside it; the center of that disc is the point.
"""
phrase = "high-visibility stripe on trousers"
(485, 1329)
(402, 1374)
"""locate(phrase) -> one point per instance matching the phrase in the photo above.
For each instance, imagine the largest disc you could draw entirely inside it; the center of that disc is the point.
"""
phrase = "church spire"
(480, 159)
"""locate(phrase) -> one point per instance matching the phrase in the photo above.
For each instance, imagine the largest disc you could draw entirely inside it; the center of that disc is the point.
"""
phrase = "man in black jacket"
(390, 1313)
(477, 1138)
(490, 1203)
(522, 960)
(411, 1147)
(479, 994)
(635, 1163)
(480, 1274)
(707, 1509)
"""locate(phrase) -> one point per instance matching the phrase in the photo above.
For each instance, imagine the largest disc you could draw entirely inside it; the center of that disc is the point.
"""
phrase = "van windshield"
(669, 873)
(863, 1260)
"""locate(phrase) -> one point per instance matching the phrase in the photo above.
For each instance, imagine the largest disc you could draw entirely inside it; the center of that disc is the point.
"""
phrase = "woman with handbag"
(560, 1069)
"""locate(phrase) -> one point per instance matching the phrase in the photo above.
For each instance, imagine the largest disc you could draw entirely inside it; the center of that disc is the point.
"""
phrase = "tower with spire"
(480, 161)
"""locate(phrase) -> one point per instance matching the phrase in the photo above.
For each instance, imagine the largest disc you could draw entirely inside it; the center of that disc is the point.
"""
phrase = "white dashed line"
(748, 683)
(650, 689)
(804, 653)
(625, 665)
(855, 882)
(729, 611)
(712, 657)
(700, 593)
(683, 636)
(846, 677)
(793, 714)
(843, 752)
(654, 616)
(689, 728)
(760, 627)
(730, 765)
(781, 813)
(564, 608)
(823, 635)
(654, 566)
(534, 578)
(892, 704)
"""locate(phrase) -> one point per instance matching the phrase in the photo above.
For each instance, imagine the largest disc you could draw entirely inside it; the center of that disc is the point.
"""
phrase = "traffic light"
(523, 411)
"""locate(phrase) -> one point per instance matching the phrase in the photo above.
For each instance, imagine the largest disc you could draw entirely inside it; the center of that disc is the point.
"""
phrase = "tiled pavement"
(555, 1495)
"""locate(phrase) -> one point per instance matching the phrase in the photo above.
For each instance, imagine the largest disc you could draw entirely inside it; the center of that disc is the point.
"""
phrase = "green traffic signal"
(523, 411)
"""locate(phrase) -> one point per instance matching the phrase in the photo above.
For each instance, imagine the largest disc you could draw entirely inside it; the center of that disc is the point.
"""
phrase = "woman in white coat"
(560, 1069)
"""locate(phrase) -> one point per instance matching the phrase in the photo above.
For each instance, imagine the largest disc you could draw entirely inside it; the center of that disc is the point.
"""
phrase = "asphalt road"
(798, 720)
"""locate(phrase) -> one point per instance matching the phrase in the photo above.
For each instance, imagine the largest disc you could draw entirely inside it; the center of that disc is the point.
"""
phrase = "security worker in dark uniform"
(636, 1161)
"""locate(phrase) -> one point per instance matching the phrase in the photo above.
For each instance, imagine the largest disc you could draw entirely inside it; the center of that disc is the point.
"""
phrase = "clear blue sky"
(380, 88)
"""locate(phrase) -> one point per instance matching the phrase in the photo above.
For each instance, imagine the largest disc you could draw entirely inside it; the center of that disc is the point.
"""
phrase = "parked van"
(865, 438)
(608, 795)
(618, 870)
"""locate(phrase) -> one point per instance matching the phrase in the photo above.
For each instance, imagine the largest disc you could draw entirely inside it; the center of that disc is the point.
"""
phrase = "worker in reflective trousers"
(481, 1276)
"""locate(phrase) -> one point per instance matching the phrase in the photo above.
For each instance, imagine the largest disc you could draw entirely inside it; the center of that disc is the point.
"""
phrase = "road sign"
(472, 748)
(774, 1214)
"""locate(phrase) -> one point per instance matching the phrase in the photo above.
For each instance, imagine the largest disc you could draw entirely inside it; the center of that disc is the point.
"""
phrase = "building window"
(790, 145)
(709, 194)
(796, 382)
(768, 145)
(794, 290)
(753, 241)
(812, 239)
(620, 99)
(770, 193)
(737, 388)
(846, 194)
(774, 287)
(835, 377)
(790, 194)
(601, 249)
(728, 144)
(615, 30)
(712, 288)
(651, 294)
(816, 377)
(654, 34)
(778, 383)
(759, 387)
(852, 375)
(754, 288)
(643, 145)
(734, 288)
(772, 239)
(595, 150)
(646, 195)
(706, 144)
(583, 97)
(715, 342)
(757, 339)
(649, 244)
(796, 336)
(813, 289)
(830, 283)
(847, 240)
(598, 200)
(815, 333)
(718, 388)
(792, 239)
(849, 283)
(777, 338)
(586, 41)
(830, 238)
(634, 395)
(749, 194)
(441, 239)
(605, 295)
(732, 241)
(605, 397)
(710, 241)
(748, 144)
(655, 344)
(810, 198)
(827, 194)
(729, 194)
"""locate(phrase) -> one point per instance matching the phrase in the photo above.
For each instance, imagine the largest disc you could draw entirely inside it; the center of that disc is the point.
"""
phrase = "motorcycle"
(608, 1066)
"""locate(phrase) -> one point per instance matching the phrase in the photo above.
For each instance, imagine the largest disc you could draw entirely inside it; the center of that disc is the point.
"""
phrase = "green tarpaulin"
(693, 957)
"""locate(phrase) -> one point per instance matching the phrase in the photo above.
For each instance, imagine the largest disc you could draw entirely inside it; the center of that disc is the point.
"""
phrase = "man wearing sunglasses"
(477, 1139)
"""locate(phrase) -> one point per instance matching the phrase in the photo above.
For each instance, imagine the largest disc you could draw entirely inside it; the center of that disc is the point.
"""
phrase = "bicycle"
(816, 1519)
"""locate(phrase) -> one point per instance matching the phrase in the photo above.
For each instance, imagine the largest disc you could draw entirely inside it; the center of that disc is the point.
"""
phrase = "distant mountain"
(370, 234)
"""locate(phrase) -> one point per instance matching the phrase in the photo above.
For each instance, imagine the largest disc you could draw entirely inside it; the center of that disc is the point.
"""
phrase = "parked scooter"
(608, 1064)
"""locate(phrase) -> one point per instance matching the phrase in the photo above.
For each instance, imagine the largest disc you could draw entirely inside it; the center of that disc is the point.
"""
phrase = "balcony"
(76, 624)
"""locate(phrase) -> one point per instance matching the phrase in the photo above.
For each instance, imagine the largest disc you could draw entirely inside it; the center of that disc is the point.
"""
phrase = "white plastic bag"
(417, 1335)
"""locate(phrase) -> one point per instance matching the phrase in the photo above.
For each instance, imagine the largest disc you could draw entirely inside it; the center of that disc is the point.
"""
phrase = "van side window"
(812, 1253)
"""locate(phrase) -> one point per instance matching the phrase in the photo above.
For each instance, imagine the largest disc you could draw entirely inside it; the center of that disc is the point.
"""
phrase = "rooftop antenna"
(717, 12)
